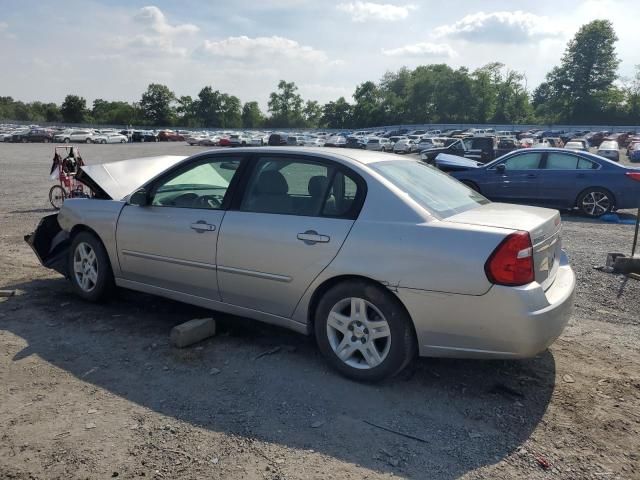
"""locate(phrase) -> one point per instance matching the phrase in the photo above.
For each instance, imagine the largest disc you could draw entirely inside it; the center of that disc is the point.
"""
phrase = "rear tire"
(363, 331)
(595, 202)
(89, 268)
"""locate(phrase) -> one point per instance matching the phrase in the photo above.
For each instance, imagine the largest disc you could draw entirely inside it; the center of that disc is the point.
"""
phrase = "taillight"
(511, 263)
(634, 176)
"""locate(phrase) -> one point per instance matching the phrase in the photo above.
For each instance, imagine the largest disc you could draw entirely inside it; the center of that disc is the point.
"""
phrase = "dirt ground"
(92, 391)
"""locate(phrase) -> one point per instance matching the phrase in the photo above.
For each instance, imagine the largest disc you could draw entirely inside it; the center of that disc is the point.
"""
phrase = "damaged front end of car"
(50, 244)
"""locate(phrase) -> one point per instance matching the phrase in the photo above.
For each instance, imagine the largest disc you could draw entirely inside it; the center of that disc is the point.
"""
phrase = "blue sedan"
(556, 178)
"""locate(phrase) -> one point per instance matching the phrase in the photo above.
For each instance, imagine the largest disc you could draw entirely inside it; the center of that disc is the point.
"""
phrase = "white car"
(609, 149)
(314, 142)
(577, 146)
(109, 138)
(378, 144)
(85, 136)
(259, 139)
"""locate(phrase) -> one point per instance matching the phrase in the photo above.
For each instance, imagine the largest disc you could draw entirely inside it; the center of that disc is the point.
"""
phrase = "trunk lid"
(543, 224)
(118, 179)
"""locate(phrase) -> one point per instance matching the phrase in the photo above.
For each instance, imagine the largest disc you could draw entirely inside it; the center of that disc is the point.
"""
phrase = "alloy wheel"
(358, 333)
(85, 267)
(596, 203)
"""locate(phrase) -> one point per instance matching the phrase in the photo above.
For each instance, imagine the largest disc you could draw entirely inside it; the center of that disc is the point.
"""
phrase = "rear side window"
(560, 161)
(584, 164)
(291, 186)
(434, 190)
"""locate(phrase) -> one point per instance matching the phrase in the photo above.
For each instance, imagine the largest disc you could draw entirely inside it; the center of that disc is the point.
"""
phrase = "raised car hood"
(119, 179)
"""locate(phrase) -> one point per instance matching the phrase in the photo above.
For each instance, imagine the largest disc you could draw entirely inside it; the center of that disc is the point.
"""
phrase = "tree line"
(584, 88)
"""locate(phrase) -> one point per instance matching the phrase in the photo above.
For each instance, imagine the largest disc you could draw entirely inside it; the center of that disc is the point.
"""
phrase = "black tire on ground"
(595, 202)
(57, 195)
(24, 140)
(104, 284)
(403, 344)
(88, 140)
(67, 140)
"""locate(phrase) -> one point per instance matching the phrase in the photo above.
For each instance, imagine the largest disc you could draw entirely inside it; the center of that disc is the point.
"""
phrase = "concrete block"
(193, 331)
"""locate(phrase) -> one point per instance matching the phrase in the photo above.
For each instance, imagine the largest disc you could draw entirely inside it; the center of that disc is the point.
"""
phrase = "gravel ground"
(92, 391)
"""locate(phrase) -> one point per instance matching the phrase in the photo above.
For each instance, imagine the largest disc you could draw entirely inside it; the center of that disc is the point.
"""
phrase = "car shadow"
(624, 217)
(437, 419)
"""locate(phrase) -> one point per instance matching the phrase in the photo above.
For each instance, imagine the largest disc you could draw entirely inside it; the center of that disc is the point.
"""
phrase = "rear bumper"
(506, 322)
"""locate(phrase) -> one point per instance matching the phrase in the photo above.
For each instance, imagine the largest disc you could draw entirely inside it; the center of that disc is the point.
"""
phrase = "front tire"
(595, 202)
(363, 331)
(88, 140)
(89, 268)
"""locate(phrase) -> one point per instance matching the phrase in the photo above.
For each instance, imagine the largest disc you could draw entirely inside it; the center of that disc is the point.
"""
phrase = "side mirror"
(139, 198)
(500, 168)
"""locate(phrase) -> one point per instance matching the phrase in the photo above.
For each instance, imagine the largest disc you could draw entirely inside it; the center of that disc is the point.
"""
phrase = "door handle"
(580, 175)
(531, 175)
(311, 237)
(201, 226)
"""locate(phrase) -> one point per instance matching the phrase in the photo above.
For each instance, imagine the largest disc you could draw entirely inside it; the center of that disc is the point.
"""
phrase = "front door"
(518, 182)
(171, 243)
(293, 218)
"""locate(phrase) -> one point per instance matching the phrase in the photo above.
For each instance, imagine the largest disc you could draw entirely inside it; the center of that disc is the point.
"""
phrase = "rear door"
(519, 182)
(171, 242)
(562, 177)
(294, 216)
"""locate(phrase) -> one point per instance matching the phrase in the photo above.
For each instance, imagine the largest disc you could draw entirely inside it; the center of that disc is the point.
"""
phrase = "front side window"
(290, 186)
(525, 161)
(204, 185)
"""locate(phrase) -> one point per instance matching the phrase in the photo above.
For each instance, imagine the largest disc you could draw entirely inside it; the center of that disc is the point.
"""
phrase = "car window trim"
(252, 160)
(153, 185)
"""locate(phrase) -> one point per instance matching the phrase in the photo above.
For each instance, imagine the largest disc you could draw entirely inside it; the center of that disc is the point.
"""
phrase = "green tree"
(185, 110)
(337, 114)
(581, 88)
(285, 105)
(73, 109)
(312, 114)
(156, 105)
(251, 115)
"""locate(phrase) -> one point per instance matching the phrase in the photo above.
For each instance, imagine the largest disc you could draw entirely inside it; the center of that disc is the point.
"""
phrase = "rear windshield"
(434, 190)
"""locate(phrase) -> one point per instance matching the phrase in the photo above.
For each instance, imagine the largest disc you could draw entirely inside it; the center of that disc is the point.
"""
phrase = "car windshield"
(432, 189)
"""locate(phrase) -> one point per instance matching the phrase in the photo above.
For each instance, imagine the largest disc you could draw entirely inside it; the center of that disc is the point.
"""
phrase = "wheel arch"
(595, 187)
(329, 283)
(80, 228)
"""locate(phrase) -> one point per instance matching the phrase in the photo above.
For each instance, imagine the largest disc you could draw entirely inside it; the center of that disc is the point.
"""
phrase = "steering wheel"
(209, 201)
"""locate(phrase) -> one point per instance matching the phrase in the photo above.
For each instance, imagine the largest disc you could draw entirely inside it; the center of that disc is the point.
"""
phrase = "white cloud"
(363, 11)
(269, 49)
(422, 49)
(152, 17)
(500, 27)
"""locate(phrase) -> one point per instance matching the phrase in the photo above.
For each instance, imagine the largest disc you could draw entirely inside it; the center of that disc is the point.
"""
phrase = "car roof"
(363, 157)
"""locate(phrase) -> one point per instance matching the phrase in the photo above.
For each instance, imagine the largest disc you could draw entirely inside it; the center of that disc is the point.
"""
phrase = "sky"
(114, 49)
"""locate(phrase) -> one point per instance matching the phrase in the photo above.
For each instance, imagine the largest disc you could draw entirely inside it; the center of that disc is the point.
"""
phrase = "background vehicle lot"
(286, 414)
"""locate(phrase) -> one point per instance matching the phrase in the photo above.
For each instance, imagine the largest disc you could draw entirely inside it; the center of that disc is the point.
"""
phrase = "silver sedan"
(380, 257)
